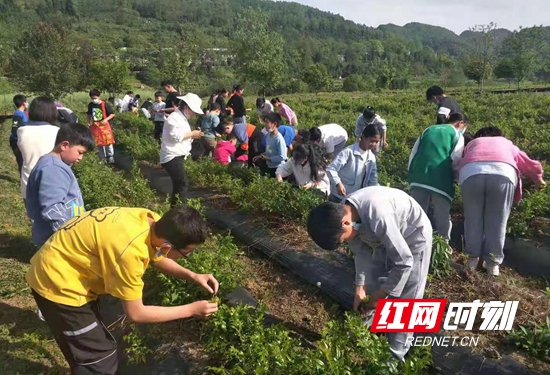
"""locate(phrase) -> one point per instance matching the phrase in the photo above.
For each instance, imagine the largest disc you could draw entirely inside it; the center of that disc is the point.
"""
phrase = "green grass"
(26, 345)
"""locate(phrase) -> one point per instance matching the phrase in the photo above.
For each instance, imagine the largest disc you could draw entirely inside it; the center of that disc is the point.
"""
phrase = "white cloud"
(452, 14)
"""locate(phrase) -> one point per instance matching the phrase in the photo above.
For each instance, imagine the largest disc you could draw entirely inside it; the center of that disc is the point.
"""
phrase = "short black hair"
(130, 93)
(76, 134)
(369, 113)
(434, 91)
(166, 83)
(159, 93)
(182, 226)
(315, 134)
(238, 87)
(468, 137)
(137, 96)
(94, 92)
(43, 109)
(305, 134)
(19, 100)
(273, 117)
(224, 91)
(489, 131)
(215, 107)
(457, 117)
(275, 101)
(370, 131)
(324, 225)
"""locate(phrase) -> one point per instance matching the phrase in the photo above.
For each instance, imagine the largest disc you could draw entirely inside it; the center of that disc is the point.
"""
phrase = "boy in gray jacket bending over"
(391, 238)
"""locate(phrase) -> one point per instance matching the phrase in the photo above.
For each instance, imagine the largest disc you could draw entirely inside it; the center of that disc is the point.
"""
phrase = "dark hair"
(489, 131)
(260, 102)
(182, 226)
(238, 87)
(43, 109)
(275, 100)
(76, 134)
(369, 113)
(111, 100)
(224, 91)
(370, 131)
(94, 92)
(215, 107)
(314, 158)
(434, 91)
(130, 93)
(315, 134)
(324, 225)
(457, 117)
(305, 134)
(159, 93)
(468, 137)
(231, 136)
(166, 83)
(273, 117)
(220, 129)
(19, 100)
(137, 96)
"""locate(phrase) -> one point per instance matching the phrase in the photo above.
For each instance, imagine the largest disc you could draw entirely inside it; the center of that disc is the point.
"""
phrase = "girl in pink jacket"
(490, 182)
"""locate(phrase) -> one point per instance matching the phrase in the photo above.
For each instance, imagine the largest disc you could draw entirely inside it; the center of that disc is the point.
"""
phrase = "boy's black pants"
(17, 153)
(159, 125)
(81, 335)
(180, 182)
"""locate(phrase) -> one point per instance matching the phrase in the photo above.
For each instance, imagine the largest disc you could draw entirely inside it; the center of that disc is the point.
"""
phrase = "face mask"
(187, 115)
(355, 225)
(270, 130)
(159, 251)
(26, 105)
(96, 101)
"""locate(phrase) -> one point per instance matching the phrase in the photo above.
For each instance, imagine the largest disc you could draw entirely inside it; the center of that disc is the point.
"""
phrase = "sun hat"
(193, 102)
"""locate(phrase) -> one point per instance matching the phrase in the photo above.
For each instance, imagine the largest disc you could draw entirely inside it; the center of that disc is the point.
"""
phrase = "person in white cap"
(176, 140)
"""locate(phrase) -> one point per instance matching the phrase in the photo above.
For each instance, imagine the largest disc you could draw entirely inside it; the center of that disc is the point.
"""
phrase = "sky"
(456, 15)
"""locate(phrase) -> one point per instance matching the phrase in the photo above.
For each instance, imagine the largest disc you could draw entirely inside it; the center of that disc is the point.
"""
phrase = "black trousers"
(180, 182)
(81, 335)
(253, 147)
(265, 170)
(17, 153)
(159, 125)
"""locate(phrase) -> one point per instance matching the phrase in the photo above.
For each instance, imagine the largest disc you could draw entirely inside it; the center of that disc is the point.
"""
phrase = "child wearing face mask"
(355, 166)
(98, 117)
(433, 167)
(275, 150)
(308, 167)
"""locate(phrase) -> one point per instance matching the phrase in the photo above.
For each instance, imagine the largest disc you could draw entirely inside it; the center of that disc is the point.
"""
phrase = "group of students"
(83, 255)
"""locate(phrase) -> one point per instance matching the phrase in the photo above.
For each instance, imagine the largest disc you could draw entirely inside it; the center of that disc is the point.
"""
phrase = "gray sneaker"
(111, 160)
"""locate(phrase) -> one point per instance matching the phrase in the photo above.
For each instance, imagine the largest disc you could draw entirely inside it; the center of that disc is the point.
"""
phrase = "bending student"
(391, 238)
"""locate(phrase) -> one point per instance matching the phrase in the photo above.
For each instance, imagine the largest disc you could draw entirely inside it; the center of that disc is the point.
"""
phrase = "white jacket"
(303, 175)
(173, 144)
(34, 139)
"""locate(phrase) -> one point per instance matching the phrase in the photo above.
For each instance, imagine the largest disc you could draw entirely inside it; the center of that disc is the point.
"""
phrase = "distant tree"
(317, 78)
(522, 49)
(45, 61)
(176, 62)
(109, 76)
(259, 51)
(505, 69)
(356, 82)
(480, 56)
(385, 76)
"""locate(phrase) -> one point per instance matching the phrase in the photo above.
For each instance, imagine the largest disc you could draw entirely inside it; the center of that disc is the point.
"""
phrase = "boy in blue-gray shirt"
(275, 149)
(53, 194)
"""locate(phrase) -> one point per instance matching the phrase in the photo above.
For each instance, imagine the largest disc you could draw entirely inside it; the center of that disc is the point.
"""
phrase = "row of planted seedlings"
(247, 190)
(237, 337)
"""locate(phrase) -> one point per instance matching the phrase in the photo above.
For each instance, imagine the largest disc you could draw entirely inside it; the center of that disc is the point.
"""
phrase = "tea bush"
(534, 340)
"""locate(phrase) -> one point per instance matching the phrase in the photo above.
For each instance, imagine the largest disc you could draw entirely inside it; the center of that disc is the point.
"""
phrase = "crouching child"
(391, 238)
(106, 251)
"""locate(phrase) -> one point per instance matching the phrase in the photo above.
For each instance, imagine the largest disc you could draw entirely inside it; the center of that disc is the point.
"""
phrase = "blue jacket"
(18, 119)
(288, 133)
(53, 197)
(354, 168)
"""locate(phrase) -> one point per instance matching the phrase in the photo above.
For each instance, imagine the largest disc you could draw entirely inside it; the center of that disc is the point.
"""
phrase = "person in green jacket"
(433, 165)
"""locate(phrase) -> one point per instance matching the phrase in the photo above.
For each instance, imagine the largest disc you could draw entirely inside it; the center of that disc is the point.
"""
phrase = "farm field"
(523, 117)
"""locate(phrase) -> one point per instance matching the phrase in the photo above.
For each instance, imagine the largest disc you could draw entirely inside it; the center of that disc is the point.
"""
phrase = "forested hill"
(137, 30)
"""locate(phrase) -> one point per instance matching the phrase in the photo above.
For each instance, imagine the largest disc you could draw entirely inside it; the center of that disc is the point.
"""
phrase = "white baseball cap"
(193, 102)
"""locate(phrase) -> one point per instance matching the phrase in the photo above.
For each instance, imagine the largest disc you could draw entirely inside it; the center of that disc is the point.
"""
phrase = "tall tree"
(176, 63)
(45, 61)
(259, 51)
(504, 69)
(481, 54)
(110, 76)
(318, 78)
(522, 49)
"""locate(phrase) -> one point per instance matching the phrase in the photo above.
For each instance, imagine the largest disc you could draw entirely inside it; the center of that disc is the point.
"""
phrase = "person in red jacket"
(250, 144)
(225, 149)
